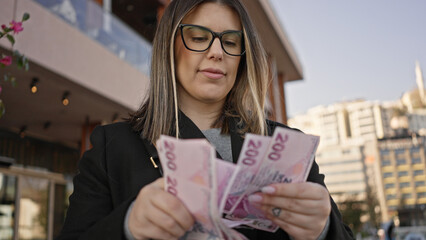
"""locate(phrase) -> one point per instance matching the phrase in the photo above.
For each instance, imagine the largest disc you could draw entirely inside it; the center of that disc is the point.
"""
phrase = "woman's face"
(206, 77)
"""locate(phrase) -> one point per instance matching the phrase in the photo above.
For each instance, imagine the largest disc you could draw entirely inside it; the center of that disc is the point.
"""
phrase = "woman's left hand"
(300, 209)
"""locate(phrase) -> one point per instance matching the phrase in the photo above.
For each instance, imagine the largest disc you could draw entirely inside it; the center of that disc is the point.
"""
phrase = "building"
(369, 120)
(417, 121)
(89, 61)
(400, 170)
(344, 129)
(341, 122)
(344, 169)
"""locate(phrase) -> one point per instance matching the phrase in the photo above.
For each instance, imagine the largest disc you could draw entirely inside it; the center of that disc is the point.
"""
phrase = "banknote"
(226, 172)
(249, 161)
(190, 174)
(190, 159)
(197, 200)
(288, 159)
(210, 186)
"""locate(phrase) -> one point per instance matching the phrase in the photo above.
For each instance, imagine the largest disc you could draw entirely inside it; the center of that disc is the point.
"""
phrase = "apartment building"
(344, 129)
(344, 169)
(340, 122)
(400, 171)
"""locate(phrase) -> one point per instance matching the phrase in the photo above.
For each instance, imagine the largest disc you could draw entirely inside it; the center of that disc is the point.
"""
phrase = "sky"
(363, 49)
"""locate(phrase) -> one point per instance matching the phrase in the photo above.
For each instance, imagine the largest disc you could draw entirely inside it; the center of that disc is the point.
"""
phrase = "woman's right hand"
(158, 214)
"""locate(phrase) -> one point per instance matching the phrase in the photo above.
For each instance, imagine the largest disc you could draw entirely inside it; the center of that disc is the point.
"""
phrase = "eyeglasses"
(199, 39)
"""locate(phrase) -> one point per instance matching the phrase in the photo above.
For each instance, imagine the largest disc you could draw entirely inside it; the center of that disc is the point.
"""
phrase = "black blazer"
(112, 173)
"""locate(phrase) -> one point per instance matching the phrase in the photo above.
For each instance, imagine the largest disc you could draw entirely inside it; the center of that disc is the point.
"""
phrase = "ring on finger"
(276, 211)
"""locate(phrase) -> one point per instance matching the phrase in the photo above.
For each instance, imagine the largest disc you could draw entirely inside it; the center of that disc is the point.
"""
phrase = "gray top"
(222, 142)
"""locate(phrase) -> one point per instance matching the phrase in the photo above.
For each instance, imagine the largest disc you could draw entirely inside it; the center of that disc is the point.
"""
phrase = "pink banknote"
(225, 176)
(190, 174)
(288, 159)
(197, 199)
(210, 186)
(191, 159)
(249, 161)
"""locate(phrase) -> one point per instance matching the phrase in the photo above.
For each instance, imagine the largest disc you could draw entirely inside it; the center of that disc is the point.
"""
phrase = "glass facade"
(7, 206)
(32, 204)
(105, 28)
(33, 208)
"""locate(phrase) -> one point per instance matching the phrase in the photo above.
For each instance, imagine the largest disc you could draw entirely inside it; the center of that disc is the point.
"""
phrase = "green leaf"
(11, 39)
(19, 62)
(2, 108)
(17, 53)
(1, 35)
(22, 62)
(25, 17)
(6, 30)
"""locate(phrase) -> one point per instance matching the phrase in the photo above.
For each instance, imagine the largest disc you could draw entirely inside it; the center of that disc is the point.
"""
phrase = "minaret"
(420, 84)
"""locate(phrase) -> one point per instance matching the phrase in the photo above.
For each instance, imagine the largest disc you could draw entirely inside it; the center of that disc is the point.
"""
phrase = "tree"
(352, 209)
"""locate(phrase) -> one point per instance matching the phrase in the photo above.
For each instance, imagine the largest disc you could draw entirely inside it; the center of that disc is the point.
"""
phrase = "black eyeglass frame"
(215, 35)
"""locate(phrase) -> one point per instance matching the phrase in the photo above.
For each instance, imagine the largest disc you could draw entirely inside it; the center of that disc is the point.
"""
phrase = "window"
(414, 150)
(387, 174)
(384, 152)
(402, 174)
(419, 183)
(404, 184)
(421, 195)
(347, 151)
(34, 194)
(399, 151)
(392, 207)
(8, 188)
(346, 172)
(386, 163)
(340, 162)
(390, 196)
(407, 195)
(418, 172)
(401, 162)
(416, 160)
(389, 185)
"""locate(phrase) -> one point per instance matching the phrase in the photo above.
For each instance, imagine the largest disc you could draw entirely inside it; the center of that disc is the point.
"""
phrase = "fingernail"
(268, 189)
(255, 198)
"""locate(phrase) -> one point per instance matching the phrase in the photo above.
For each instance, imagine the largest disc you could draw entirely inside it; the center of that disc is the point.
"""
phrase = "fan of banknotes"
(212, 188)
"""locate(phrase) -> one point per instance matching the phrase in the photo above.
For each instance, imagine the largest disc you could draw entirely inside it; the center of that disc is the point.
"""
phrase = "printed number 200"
(251, 153)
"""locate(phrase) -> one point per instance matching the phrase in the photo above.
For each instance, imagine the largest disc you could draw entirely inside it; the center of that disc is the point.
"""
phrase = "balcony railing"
(105, 28)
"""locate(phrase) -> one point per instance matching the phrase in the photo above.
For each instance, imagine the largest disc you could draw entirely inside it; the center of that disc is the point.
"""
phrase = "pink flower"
(7, 60)
(3, 27)
(16, 27)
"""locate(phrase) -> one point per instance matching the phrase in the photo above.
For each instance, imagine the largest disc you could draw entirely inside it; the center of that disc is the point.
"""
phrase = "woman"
(208, 78)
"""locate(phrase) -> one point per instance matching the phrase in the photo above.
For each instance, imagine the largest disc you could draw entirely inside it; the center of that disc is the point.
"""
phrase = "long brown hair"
(245, 101)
